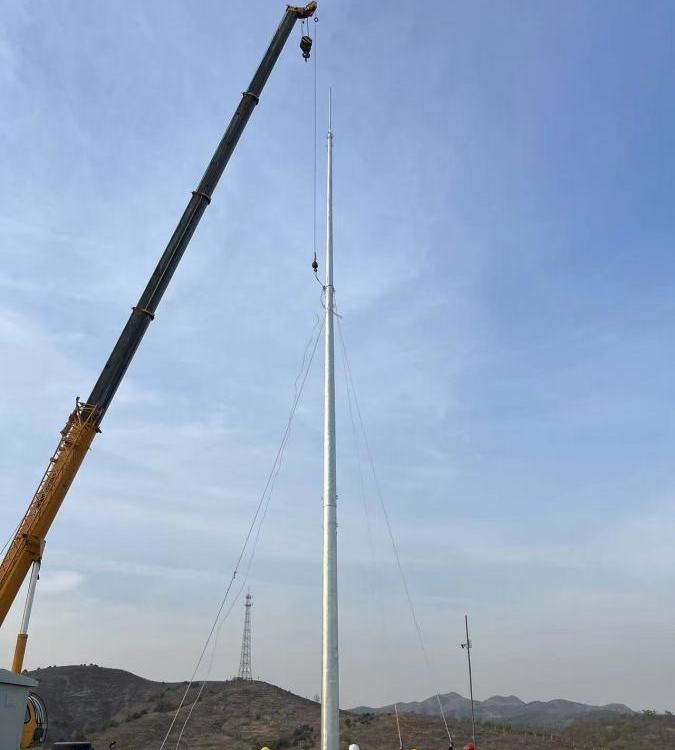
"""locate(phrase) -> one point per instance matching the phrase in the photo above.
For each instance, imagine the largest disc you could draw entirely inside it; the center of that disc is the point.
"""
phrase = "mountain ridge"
(555, 713)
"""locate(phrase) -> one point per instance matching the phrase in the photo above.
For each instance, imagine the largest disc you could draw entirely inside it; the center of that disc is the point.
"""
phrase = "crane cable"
(398, 727)
(267, 491)
(315, 263)
(276, 466)
(314, 232)
(304, 371)
(257, 520)
(375, 600)
(304, 31)
(298, 385)
(12, 536)
(390, 533)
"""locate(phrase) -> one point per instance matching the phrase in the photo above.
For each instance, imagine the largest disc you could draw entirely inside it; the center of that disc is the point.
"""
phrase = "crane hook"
(306, 46)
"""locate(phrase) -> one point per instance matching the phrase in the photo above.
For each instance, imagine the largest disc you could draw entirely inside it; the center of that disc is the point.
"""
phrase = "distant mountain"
(503, 709)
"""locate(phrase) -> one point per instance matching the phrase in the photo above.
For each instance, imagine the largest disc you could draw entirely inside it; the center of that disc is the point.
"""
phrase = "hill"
(82, 699)
(508, 709)
(110, 705)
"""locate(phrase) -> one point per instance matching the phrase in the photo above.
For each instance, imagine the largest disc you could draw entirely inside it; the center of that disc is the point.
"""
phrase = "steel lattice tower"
(245, 672)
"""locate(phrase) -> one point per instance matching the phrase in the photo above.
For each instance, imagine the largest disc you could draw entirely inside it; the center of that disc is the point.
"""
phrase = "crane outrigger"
(25, 551)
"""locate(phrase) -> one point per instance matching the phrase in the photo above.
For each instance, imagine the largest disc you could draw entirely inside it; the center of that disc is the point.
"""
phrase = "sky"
(504, 221)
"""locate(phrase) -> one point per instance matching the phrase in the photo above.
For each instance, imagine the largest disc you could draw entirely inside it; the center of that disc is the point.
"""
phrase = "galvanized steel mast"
(330, 683)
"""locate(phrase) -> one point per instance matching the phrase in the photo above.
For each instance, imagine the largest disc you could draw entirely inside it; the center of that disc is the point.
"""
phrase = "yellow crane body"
(29, 540)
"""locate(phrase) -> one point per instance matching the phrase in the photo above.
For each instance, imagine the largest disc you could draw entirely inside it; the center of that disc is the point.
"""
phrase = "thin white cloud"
(60, 581)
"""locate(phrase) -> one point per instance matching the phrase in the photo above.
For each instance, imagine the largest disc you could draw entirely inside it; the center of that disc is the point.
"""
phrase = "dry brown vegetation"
(110, 705)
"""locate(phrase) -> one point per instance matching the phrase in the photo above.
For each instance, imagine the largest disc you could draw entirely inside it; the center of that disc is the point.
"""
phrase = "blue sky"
(504, 222)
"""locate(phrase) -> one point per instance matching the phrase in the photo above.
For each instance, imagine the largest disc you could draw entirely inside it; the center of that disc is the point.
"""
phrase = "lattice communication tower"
(245, 672)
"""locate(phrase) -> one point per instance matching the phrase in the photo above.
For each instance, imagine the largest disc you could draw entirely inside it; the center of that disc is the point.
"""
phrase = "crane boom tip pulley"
(302, 11)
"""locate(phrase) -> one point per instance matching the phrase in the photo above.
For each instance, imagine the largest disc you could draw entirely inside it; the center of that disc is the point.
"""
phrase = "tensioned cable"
(390, 532)
(267, 493)
(357, 455)
(314, 156)
(263, 503)
(398, 728)
(204, 681)
(234, 601)
(13, 535)
(298, 385)
(375, 600)
(316, 37)
(277, 466)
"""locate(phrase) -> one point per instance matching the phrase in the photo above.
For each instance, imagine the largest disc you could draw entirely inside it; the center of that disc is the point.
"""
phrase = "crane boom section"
(144, 311)
(83, 423)
(28, 542)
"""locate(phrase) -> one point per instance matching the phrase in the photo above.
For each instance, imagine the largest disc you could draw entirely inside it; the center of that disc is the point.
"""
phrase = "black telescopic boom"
(144, 311)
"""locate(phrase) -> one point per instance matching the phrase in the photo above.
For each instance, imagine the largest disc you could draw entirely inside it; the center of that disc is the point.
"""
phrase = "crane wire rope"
(234, 601)
(216, 637)
(298, 385)
(390, 533)
(316, 38)
(266, 495)
(315, 264)
(398, 727)
(258, 516)
(303, 372)
(305, 29)
(12, 535)
(375, 599)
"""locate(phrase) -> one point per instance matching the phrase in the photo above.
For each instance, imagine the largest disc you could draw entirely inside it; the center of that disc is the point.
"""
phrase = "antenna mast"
(468, 646)
(245, 672)
(330, 684)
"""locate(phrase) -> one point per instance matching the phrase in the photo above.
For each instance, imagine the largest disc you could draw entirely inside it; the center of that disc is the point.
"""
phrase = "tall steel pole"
(468, 648)
(330, 682)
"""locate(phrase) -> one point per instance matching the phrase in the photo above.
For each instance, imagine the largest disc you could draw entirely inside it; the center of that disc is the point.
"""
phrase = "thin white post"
(22, 637)
(34, 574)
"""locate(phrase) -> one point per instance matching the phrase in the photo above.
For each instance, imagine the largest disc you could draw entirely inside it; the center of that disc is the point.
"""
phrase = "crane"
(25, 550)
